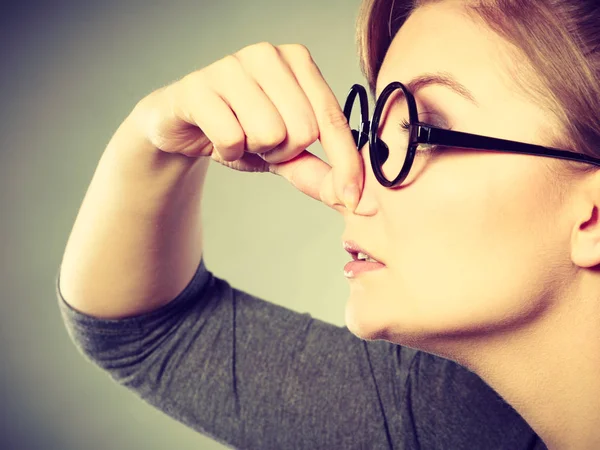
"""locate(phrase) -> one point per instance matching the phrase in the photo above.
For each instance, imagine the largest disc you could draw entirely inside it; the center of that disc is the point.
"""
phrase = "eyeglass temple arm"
(450, 138)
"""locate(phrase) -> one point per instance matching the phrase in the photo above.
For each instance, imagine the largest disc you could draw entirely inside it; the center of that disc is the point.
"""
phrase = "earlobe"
(585, 241)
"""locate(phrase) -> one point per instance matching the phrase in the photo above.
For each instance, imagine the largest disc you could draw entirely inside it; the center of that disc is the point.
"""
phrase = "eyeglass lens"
(392, 133)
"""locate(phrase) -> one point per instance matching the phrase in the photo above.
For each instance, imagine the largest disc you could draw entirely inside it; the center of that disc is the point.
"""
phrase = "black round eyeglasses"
(421, 134)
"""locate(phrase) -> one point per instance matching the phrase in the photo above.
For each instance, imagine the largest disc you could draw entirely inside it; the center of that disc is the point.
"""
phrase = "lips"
(354, 249)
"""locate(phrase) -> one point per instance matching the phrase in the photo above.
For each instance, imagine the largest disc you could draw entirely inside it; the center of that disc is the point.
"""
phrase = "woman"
(478, 324)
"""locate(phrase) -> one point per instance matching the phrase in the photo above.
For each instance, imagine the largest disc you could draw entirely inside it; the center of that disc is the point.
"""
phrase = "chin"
(370, 321)
(359, 326)
(365, 324)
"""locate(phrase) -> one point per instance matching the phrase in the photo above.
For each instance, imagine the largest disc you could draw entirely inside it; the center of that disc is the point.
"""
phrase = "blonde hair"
(558, 39)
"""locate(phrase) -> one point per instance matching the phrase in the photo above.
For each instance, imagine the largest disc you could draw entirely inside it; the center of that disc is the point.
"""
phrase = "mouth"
(359, 254)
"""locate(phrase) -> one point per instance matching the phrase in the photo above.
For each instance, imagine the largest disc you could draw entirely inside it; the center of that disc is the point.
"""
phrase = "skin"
(488, 262)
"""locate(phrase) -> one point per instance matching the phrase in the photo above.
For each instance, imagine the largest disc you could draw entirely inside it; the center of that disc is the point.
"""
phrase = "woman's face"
(472, 241)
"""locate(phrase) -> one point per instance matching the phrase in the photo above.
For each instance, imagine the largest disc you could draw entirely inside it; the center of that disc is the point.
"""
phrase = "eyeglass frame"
(425, 134)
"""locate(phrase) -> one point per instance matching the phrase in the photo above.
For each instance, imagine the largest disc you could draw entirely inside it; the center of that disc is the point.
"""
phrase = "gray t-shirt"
(254, 375)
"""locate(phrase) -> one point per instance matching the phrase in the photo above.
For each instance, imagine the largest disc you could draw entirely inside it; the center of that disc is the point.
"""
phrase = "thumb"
(306, 172)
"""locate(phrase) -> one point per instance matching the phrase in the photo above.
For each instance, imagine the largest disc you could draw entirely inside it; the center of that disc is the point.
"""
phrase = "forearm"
(137, 238)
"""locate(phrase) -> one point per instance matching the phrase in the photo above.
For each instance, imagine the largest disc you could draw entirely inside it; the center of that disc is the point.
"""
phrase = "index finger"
(334, 131)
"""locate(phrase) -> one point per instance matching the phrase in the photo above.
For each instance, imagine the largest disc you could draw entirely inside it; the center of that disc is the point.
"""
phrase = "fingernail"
(351, 197)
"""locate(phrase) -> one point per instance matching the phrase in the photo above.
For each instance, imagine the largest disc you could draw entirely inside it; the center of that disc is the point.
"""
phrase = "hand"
(258, 110)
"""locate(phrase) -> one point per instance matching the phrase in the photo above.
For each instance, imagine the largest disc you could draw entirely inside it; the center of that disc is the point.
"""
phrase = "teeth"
(364, 257)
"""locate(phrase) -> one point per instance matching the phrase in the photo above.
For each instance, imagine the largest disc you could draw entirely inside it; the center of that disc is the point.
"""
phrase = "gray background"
(71, 72)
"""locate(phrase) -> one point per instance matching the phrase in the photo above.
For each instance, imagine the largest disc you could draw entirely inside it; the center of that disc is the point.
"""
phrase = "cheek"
(470, 224)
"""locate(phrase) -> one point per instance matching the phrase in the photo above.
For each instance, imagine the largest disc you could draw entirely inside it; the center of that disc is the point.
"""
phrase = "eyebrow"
(442, 79)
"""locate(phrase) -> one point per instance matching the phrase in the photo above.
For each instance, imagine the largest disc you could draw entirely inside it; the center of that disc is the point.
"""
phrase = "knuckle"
(258, 48)
(298, 51)
(192, 81)
(335, 118)
(226, 65)
(273, 137)
(264, 47)
(216, 75)
(230, 142)
(197, 76)
(258, 57)
(307, 136)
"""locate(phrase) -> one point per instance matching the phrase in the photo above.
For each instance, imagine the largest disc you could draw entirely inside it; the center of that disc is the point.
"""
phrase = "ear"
(585, 239)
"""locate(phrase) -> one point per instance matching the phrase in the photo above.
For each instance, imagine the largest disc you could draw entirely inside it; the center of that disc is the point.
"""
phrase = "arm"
(137, 239)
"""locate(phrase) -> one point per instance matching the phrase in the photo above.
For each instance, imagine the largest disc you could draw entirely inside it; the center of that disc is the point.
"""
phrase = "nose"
(365, 203)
